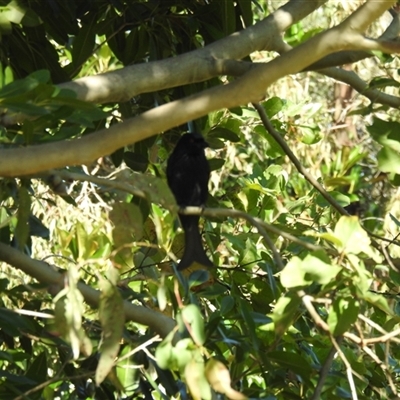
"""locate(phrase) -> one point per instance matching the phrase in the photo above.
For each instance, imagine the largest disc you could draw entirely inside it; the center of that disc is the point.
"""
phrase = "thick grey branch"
(250, 87)
(338, 59)
(361, 19)
(196, 66)
(352, 79)
(350, 57)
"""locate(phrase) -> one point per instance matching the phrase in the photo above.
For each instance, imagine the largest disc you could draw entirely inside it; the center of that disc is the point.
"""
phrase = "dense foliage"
(302, 303)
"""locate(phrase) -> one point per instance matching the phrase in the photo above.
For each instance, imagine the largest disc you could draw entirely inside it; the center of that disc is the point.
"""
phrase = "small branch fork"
(363, 344)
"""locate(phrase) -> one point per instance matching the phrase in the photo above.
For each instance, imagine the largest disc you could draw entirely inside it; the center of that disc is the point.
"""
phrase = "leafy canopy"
(294, 280)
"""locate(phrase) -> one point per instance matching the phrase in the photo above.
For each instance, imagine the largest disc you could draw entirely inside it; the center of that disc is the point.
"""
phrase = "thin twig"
(324, 371)
(386, 369)
(349, 370)
(49, 382)
(276, 135)
(307, 301)
(139, 348)
(254, 221)
(387, 336)
(210, 212)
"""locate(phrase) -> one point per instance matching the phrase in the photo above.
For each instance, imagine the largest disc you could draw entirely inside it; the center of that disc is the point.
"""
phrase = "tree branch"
(350, 57)
(208, 212)
(196, 66)
(22, 161)
(352, 79)
(338, 59)
(270, 129)
(44, 273)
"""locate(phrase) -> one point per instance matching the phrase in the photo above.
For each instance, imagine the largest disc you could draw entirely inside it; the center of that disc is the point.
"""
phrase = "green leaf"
(215, 143)
(5, 29)
(83, 44)
(124, 369)
(19, 87)
(318, 269)
(198, 277)
(394, 219)
(41, 75)
(227, 305)
(246, 312)
(131, 42)
(192, 316)
(20, 14)
(183, 353)
(273, 106)
(274, 150)
(381, 82)
(330, 237)
(24, 211)
(223, 133)
(228, 17)
(283, 314)
(342, 199)
(37, 370)
(24, 108)
(128, 223)
(68, 313)
(162, 295)
(247, 12)
(136, 161)
(13, 324)
(310, 135)
(164, 353)
(353, 237)
(342, 314)
(216, 164)
(389, 160)
(314, 268)
(112, 319)
(156, 189)
(293, 274)
(143, 42)
(196, 380)
(218, 376)
(381, 131)
(380, 302)
(292, 361)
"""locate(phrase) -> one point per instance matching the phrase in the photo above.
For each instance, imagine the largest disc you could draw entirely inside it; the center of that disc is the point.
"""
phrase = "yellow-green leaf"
(196, 380)
(112, 319)
(218, 377)
(192, 316)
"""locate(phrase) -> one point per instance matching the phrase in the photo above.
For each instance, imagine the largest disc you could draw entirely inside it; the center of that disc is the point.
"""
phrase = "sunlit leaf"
(164, 354)
(353, 237)
(196, 380)
(389, 160)
(284, 313)
(219, 379)
(112, 319)
(192, 316)
(342, 314)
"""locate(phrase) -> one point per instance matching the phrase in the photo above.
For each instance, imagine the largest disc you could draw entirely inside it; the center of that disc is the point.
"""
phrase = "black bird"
(188, 173)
